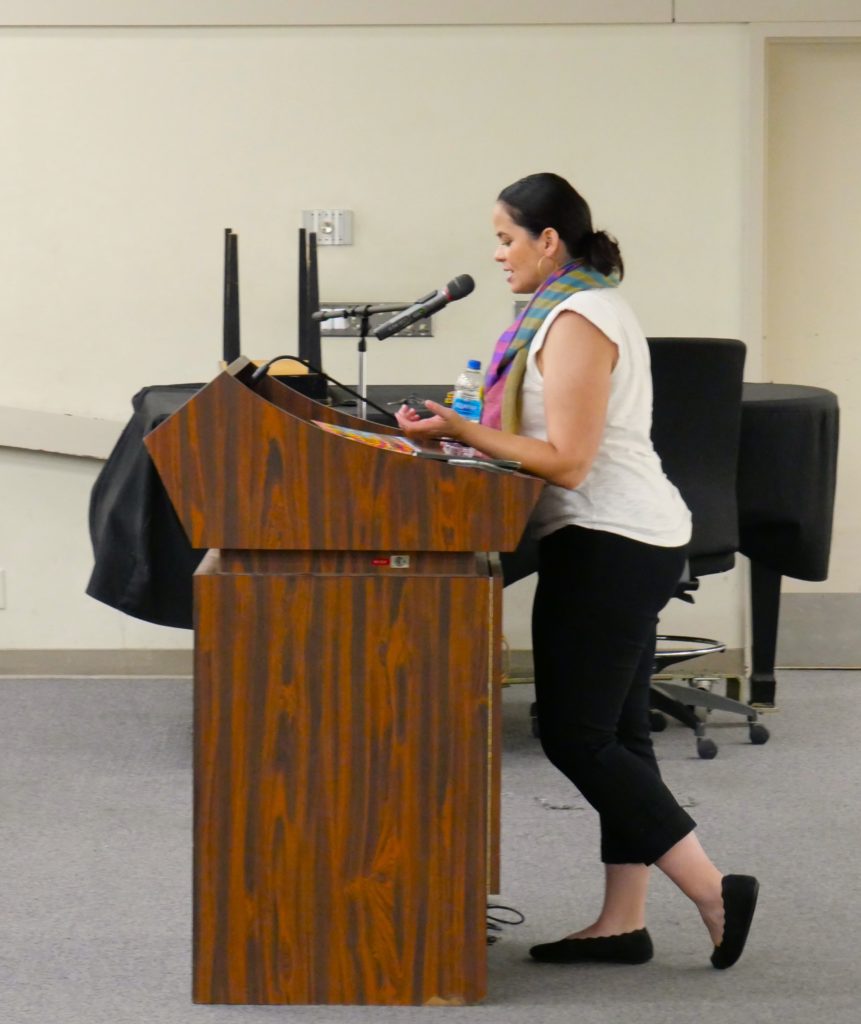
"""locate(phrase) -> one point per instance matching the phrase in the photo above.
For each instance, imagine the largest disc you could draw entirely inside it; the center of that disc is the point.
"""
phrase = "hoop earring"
(553, 263)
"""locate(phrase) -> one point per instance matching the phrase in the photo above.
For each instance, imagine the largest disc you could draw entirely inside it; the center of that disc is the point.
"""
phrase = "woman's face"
(519, 253)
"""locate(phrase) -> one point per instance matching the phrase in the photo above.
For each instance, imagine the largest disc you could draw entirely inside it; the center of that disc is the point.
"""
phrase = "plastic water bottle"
(467, 403)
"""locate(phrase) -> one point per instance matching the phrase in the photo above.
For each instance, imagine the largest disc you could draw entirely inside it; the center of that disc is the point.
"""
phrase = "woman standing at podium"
(568, 395)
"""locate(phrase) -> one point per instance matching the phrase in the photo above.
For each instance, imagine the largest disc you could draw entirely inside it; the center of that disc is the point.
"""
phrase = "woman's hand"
(444, 422)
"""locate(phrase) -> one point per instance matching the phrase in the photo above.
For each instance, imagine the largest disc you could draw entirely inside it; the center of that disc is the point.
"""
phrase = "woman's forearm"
(535, 456)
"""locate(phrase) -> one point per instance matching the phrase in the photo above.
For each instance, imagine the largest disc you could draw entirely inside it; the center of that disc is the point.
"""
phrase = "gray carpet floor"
(95, 815)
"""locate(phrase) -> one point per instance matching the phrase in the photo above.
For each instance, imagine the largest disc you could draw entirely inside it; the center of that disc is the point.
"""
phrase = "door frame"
(753, 298)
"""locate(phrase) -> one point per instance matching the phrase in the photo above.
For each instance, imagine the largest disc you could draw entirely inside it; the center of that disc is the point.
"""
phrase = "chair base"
(680, 700)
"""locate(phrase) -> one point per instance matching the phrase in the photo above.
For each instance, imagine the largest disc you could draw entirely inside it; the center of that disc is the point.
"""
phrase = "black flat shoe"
(739, 902)
(630, 948)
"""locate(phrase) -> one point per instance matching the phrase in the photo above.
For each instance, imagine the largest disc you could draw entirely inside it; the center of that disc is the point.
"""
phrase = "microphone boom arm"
(366, 309)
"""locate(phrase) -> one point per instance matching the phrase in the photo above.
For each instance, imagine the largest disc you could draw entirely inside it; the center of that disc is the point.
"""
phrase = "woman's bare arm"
(576, 362)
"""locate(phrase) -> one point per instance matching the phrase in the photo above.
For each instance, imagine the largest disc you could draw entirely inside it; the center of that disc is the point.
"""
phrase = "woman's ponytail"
(601, 251)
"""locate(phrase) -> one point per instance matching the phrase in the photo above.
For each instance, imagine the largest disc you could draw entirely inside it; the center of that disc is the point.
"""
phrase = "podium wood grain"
(341, 778)
(347, 714)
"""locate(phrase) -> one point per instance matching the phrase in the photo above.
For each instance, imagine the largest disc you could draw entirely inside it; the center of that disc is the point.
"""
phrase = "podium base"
(343, 724)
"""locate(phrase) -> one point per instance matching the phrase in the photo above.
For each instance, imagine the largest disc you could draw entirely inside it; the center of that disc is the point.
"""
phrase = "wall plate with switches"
(350, 326)
(332, 227)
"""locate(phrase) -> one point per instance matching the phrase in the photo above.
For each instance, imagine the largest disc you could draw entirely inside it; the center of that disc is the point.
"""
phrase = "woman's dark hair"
(545, 200)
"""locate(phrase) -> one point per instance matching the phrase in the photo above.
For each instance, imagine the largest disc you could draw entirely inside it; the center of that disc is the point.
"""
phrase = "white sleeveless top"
(626, 491)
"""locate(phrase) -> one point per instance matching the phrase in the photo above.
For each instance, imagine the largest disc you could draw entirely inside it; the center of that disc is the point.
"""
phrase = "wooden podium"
(346, 702)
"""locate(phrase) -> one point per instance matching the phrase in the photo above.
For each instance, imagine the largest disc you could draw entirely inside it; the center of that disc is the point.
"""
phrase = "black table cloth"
(143, 561)
(787, 474)
(786, 477)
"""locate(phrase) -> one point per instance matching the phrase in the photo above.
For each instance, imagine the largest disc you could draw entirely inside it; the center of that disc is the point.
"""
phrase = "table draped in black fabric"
(786, 477)
(143, 561)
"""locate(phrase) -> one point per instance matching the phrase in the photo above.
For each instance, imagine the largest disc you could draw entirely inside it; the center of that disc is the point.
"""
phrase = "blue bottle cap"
(474, 364)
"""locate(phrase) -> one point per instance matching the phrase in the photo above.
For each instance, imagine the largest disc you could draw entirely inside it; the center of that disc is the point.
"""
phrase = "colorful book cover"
(388, 442)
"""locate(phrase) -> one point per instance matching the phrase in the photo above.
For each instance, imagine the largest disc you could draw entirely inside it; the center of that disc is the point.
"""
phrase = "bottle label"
(469, 408)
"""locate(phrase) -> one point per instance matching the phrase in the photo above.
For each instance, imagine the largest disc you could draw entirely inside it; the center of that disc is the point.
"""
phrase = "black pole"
(765, 616)
(304, 311)
(225, 330)
(314, 354)
(231, 297)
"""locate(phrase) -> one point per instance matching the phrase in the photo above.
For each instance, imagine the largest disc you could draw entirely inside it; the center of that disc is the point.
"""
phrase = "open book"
(390, 442)
(403, 445)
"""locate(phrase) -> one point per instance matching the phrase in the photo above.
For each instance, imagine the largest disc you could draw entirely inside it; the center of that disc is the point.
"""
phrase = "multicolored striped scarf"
(507, 365)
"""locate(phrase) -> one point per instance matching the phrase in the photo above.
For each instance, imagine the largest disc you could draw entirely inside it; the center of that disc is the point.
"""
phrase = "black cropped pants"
(593, 630)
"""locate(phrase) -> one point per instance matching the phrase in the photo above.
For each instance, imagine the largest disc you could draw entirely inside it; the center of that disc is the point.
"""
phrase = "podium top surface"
(245, 471)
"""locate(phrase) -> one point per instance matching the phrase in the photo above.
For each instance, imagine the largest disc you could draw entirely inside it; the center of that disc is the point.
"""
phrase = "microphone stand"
(363, 349)
(364, 312)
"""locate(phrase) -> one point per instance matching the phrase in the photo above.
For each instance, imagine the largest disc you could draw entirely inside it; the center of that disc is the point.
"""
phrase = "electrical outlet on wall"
(332, 227)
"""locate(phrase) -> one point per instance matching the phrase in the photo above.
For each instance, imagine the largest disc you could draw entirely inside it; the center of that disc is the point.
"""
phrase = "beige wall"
(135, 148)
(128, 151)
(44, 547)
(813, 257)
(131, 150)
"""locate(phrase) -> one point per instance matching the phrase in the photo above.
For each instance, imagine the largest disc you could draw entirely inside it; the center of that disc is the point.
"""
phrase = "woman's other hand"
(444, 422)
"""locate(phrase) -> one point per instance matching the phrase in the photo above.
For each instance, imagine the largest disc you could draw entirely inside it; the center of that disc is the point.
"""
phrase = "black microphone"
(460, 287)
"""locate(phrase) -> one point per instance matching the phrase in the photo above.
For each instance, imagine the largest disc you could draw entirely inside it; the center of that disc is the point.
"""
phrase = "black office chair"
(696, 421)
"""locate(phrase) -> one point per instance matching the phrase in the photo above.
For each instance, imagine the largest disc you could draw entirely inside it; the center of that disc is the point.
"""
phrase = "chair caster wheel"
(657, 722)
(706, 748)
(758, 733)
(533, 720)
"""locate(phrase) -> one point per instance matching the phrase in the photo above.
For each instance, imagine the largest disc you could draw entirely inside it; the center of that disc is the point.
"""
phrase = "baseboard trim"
(179, 663)
(174, 663)
(816, 631)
